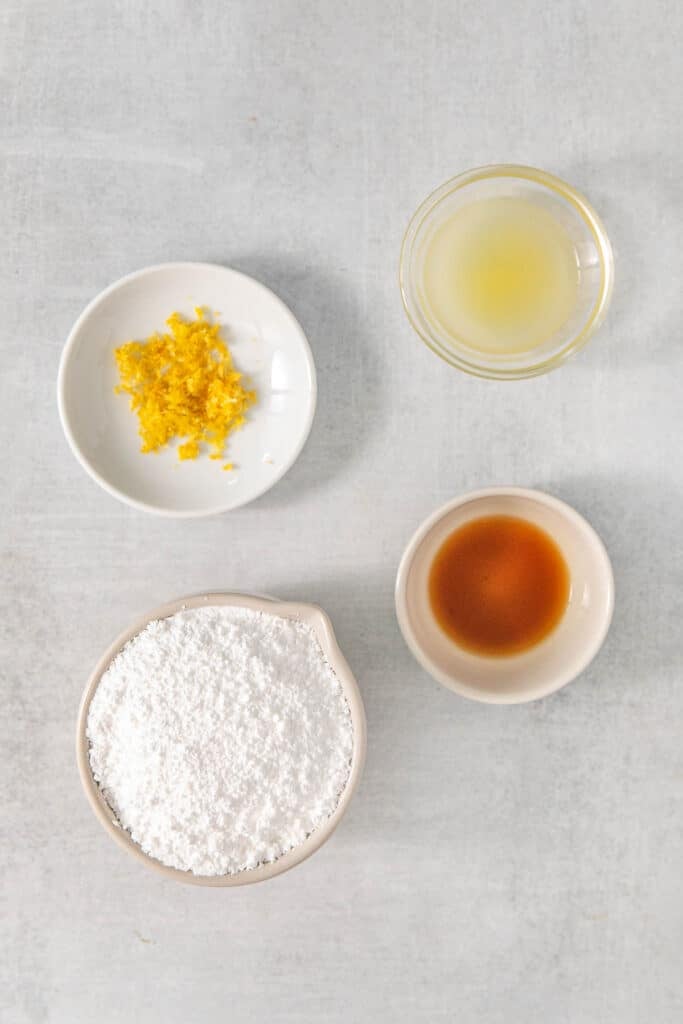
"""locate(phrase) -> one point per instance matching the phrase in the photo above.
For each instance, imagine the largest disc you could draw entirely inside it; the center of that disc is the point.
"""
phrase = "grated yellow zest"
(184, 385)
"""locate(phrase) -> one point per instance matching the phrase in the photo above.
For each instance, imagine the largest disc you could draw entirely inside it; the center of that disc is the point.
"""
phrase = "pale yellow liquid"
(500, 275)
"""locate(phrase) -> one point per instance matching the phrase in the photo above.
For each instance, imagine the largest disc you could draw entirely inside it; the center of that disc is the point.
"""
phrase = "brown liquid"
(498, 585)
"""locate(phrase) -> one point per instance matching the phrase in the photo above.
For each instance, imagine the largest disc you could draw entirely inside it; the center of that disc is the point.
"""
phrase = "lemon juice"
(500, 275)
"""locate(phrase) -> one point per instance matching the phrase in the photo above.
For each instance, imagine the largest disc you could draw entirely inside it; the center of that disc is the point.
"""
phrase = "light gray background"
(499, 865)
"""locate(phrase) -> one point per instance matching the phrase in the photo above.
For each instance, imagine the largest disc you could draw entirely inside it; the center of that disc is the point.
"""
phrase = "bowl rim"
(599, 553)
(62, 405)
(473, 366)
(313, 616)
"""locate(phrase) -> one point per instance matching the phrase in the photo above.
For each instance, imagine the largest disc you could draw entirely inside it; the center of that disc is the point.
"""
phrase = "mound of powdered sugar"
(220, 738)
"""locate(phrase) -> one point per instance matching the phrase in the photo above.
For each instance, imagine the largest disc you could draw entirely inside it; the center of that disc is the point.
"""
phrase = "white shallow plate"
(268, 346)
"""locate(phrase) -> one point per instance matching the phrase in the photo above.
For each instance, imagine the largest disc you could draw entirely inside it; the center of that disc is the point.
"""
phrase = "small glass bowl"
(593, 252)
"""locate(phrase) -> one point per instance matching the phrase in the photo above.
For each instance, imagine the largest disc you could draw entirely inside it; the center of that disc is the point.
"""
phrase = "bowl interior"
(268, 345)
(318, 620)
(563, 653)
(591, 246)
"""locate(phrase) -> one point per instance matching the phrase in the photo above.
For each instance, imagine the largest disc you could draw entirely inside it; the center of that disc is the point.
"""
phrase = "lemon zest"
(184, 385)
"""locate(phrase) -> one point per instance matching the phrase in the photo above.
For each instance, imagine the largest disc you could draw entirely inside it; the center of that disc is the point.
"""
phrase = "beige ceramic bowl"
(318, 620)
(556, 660)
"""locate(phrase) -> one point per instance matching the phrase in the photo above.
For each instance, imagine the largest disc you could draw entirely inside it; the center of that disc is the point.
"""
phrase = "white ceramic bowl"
(308, 613)
(556, 660)
(269, 346)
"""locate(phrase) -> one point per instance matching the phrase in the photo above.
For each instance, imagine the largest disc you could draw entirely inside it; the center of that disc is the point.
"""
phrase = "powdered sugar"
(221, 738)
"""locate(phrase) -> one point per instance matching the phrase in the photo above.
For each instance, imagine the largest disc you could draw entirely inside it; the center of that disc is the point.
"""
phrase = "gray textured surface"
(498, 865)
